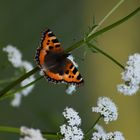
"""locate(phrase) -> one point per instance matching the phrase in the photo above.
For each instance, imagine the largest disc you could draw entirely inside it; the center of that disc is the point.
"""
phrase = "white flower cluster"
(106, 108)
(71, 89)
(99, 129)
(102, 135)
(71, 131)
(131, 76)
(15, 57)
(30, 134)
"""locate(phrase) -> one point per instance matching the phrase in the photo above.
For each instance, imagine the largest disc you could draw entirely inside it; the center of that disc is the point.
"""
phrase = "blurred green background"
(21, 23)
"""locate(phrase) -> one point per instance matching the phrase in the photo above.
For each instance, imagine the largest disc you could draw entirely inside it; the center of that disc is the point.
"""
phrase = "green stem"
(9, 129)
(51, 135)
(20, 89)
(17, 131)
(81, 42)
(105, 54)
(107, 16)
(5, 90)
(92, 127)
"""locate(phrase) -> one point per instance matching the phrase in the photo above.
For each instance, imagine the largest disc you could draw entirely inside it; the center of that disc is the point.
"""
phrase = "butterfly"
(54, 62)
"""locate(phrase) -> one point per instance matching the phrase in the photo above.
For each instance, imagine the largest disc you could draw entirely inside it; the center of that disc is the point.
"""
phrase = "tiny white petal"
(31, 134)
(99, 129)
(41, 72)
(71, 89)
(27, 66)
(98, 136)
(16, 100)
(70, 57)
(106, 108)
(14, 55)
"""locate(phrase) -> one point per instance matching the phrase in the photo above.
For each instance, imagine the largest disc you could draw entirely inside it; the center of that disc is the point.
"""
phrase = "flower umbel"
(99, 129)
(100, 134)
(108, 136)
(71, 89)
(72, 116)
(71, 130)
(30, 134)
(15, 57)
(117, 135)
(106, 108)
(131, 76)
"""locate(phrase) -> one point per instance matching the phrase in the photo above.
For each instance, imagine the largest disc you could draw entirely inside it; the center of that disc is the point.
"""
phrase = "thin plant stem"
(51, 135)
(105, 29)
(9, 129)
(106, 17)
(92, 127)
(5, 90)
(17, 131)
(20, 89)
(105, 54)
(76, 45)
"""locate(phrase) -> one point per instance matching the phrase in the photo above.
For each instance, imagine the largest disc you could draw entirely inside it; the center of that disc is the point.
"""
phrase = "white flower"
(128, 90)
(98, 136)
(115, 136)
(31, 134)
(72, 116)
(14, 55)
(71, 89)
(108, 136)
(106, 108)
(16, 100)
(99, 129)
(27, 67)
(131, 76)
(70, 57)
(71, 132)
(102, 135)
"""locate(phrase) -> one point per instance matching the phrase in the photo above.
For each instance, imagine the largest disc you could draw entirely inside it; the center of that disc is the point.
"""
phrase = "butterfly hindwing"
(72, 75)
(69, 74)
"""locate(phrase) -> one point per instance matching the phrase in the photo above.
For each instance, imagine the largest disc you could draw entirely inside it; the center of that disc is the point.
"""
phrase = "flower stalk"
(91, 129)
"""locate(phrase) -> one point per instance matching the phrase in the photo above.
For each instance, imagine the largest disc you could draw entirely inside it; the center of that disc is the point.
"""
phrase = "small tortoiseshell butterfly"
(52, 59)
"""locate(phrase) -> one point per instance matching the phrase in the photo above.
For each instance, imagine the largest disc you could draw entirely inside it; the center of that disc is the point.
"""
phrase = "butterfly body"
(55, 63)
